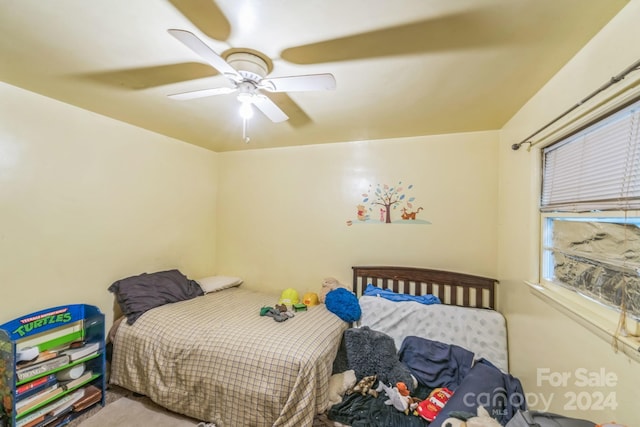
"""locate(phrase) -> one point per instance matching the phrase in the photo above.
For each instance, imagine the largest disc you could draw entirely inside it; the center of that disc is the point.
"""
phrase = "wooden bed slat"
(452, 288)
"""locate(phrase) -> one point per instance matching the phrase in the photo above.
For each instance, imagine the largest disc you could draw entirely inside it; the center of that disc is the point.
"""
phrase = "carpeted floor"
(146, 409)
(113, 393)
(127, 412)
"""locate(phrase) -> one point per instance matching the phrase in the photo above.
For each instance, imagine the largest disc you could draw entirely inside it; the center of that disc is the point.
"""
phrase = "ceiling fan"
(247, 72)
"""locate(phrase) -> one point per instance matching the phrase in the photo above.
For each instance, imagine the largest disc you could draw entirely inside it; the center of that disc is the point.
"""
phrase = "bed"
(460, 343)
(214, 358)
(465, 317)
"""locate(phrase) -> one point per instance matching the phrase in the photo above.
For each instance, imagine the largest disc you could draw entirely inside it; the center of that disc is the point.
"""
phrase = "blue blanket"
(393, 296)
(501, 394)
(434, 363)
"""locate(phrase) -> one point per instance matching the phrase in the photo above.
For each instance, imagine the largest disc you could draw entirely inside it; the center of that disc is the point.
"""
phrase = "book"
(68, 404)
(31, 388)
(68, 385)
(32, 421)
(42, 367)
(40, 414)
(92, 395)
(41, 357)
(61, 419)
(53, 338)
(35, 400)
(84, 351)
(29, 399)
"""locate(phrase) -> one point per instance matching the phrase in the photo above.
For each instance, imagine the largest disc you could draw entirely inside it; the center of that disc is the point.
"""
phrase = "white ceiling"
(403, 68)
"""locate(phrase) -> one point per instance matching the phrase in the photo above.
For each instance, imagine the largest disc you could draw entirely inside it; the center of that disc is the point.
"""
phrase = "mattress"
(479, 330)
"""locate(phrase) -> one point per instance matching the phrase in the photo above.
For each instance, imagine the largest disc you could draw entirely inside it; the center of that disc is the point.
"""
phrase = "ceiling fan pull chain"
(245, 138)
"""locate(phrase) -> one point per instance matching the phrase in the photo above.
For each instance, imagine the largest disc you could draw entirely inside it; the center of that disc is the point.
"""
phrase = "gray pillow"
(137, 294)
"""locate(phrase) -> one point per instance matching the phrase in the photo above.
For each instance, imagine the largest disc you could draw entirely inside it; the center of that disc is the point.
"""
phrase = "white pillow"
(217, 283)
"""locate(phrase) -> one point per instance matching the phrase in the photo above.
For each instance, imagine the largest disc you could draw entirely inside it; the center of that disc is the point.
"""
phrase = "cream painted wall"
(542, 339)
(283, 212)
(86, 200)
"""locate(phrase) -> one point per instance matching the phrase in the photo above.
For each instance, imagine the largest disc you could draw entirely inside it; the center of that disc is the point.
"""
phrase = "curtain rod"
(615, 79)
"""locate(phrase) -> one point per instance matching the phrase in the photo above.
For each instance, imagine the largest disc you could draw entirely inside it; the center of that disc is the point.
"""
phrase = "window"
(590, 205)
(597, 257)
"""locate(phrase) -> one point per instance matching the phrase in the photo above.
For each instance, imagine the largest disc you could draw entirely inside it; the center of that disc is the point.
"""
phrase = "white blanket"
(481, 331)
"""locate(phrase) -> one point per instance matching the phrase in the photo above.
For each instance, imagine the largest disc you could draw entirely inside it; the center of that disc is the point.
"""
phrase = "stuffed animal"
(344, 304)
(397, 400)
(454, 422)
(365, 386)
(339, 384)
(402, 388)
(483, 419)
(329, 284)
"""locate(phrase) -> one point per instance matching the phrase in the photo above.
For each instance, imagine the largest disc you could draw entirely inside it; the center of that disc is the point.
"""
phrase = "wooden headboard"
(451, 288)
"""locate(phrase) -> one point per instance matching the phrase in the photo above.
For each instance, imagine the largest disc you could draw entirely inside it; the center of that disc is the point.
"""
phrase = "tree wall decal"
(388, 198)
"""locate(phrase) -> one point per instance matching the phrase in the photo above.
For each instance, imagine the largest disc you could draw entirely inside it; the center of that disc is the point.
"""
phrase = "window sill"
(593, 320)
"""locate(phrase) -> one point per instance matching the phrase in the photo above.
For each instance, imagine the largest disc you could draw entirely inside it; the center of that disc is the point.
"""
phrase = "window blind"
(595, 169)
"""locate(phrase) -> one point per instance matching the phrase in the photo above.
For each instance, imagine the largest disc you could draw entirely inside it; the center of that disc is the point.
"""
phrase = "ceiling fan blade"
(299, 83)
(298, 118)
(269, 108)
(148, 77)
(461, 30)
(198, 46)
(202, 93)
(206, 16)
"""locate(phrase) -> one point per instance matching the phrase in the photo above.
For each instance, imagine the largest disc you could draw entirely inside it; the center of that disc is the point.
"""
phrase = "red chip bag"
(432, 405)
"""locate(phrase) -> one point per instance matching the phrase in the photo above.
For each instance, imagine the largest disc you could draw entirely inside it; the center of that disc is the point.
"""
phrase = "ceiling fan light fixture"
(246, 109)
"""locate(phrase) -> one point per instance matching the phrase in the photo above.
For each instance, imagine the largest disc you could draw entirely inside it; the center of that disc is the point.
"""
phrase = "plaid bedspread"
(216, 359)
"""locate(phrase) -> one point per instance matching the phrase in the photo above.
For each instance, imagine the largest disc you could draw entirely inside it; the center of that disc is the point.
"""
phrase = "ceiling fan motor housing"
(250, 66)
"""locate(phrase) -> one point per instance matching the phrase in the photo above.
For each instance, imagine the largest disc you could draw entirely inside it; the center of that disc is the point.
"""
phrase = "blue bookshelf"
(40, 382)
